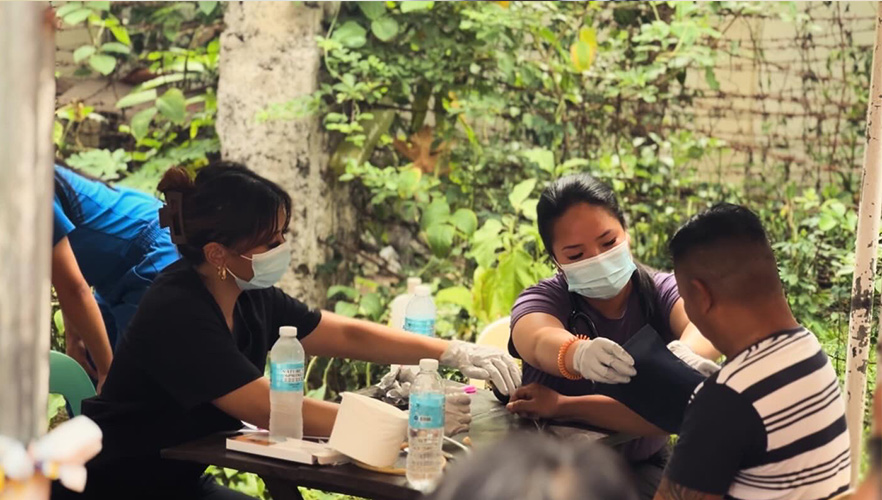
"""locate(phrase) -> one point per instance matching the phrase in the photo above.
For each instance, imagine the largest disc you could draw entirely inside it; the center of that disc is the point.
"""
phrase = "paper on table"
(292, 450)
(663, 385)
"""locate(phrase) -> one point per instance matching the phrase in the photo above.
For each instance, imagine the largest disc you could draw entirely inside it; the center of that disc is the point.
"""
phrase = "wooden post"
(865, 261)
(27, 102)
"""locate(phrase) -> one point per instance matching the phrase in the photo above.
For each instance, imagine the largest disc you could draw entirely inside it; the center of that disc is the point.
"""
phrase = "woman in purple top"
(601, 293)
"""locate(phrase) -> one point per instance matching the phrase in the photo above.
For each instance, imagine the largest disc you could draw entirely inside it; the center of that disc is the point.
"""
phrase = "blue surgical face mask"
(603, 276)
(268, 267)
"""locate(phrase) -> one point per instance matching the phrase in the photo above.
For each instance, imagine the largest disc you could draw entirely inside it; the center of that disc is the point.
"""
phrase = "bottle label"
(420, 326)
(427, 411)
(286, 376)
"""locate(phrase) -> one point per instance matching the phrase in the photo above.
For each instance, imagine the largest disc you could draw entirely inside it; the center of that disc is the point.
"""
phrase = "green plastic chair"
(67, 377)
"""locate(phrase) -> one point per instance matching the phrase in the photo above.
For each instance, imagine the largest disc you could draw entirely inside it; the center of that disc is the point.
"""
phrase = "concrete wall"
(269, 54)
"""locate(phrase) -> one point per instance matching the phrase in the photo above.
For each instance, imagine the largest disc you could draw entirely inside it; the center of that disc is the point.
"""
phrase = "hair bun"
(176, 180)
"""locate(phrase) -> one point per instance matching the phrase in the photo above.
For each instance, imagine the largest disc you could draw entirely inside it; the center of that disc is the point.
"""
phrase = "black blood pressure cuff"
(663, 386)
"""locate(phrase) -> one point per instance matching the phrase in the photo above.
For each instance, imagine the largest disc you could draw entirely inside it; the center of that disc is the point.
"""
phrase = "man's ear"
(703, 295)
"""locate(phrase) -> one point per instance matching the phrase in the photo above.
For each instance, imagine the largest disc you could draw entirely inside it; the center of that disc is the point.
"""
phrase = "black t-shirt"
(769, 424)
(176, 357)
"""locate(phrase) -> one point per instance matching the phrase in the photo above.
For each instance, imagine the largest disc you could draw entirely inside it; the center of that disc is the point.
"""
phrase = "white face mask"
(602, 276)
(268, 267)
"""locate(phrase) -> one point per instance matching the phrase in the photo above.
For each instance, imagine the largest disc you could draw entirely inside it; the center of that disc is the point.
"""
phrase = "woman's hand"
(704, 366)
(604, 361)
(535, 401)
(484, 363)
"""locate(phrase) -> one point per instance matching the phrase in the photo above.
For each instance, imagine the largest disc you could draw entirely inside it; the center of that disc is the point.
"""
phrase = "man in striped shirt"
(771, 423)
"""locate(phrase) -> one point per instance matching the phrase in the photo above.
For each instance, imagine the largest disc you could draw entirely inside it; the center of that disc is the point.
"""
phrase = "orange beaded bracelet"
(562, 354)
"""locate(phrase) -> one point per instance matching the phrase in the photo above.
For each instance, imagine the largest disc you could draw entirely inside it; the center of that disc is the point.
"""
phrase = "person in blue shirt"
(107, 239)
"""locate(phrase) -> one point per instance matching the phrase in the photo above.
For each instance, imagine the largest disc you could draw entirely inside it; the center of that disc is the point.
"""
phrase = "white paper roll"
(368, 430)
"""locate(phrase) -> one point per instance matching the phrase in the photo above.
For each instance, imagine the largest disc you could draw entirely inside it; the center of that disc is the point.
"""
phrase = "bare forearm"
(356, 339)
(318, 417)
(605, 412)
(538, 343)
(82, 315)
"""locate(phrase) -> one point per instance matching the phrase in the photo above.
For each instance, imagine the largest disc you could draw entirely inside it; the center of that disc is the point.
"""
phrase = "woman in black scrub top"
(191, 363)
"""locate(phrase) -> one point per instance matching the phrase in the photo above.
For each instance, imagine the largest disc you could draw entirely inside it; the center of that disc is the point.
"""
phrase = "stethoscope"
(576, 315)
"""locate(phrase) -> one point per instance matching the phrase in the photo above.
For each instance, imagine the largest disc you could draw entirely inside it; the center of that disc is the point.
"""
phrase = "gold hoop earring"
(222, 273)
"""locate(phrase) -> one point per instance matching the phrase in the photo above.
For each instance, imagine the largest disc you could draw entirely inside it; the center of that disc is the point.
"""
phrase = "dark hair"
(226, 204)
(724, 222)
(536, 466)
(571, 190)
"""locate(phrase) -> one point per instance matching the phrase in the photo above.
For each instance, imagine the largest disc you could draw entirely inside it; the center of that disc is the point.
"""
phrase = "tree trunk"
(27, 100)
(269, 55)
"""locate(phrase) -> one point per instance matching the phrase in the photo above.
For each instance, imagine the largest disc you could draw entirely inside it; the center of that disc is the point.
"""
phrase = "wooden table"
(490, 422)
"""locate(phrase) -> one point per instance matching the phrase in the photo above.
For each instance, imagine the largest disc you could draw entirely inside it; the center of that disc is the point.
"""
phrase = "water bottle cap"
(423, 291)
(429, 365)
(288, 331)
(412, 283)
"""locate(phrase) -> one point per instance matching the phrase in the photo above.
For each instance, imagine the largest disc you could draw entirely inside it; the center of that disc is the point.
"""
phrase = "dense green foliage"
(449, 118)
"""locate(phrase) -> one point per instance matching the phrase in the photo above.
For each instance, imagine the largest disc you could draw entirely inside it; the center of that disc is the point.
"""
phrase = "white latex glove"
(604, 361)
(704, 366)
(457, 411)
(483, 363)
(396, 383)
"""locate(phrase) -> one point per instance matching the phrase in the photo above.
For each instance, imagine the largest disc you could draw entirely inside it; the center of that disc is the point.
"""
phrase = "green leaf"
(437, 212)
(371, 305)
(457, 295)
(581, 55)
(57, 133)
(116, 47)
(827, 222)
(67, 8)
(541, 157)
(161, 80)
(385, 28)
(440, 238)
(101, 163)
(350, 34)
(347, 309)
(711, 78)
(588, 35)
(99, 6)
(409, 181)
(83, 52)
(55, 403)
(318, 393)
(78, 16)
(173, 106)
(207, 7)
(103, 64)
(415, 6)
(486, 242)
(141, 122)
(347, 291)
(136, 99)
(372, 10)
(529, 209)
(465, 220)
(520, 193)
(121, 34)
(58, 319)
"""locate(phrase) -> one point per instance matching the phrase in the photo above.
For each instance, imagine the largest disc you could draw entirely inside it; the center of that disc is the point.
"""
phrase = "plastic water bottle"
(286, 386)
(399, 303)
(426, 427)
(419, 317)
